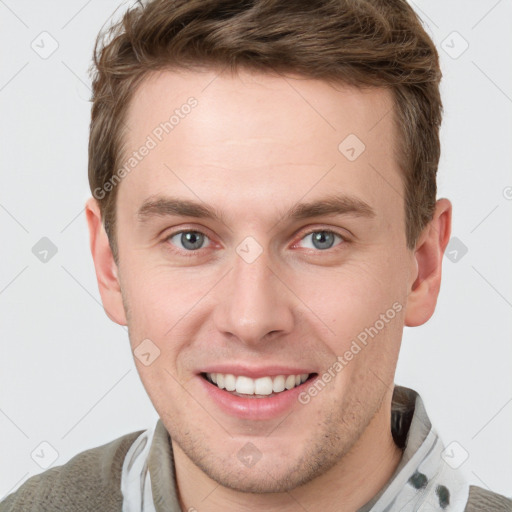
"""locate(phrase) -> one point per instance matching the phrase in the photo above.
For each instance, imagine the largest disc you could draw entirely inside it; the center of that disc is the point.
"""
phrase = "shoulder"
(482, 499)
(89, 481)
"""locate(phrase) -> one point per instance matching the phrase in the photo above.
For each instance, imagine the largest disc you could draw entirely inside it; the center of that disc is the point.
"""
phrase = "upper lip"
(256, 372)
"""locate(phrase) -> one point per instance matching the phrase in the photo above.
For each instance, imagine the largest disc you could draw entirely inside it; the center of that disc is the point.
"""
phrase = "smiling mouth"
(263, 387)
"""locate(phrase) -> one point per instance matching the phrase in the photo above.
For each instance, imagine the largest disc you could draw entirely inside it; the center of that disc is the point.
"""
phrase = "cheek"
(348, 296)
(162, 380)
(358, 311)
(159, 296)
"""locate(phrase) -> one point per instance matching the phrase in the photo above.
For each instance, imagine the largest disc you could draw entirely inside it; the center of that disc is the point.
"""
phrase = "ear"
(106, 268)
(428, 259)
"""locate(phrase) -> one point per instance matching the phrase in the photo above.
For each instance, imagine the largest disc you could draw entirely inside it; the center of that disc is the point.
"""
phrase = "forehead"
(251, 104)
(214, 134)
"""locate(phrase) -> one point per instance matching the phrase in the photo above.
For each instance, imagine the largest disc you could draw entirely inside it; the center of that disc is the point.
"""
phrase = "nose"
(254, 303)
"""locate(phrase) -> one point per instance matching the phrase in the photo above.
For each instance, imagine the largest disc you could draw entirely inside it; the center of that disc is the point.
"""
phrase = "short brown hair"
(363, 43)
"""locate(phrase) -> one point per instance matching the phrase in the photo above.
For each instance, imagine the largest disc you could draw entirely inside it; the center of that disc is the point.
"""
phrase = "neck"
(346, 487)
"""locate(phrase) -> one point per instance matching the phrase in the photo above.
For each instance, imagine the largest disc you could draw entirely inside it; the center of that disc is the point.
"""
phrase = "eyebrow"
(330, 205)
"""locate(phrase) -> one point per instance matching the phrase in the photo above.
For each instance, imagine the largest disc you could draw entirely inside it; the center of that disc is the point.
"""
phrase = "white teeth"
(278, 384)
(245, 385)
(290, 382)
(261, 386)
(230, 382)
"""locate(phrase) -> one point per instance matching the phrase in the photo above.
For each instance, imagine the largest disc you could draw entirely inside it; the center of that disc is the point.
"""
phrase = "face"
(261, 248)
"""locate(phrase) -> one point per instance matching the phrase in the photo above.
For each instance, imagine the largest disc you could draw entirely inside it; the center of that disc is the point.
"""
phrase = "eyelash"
(343, 241)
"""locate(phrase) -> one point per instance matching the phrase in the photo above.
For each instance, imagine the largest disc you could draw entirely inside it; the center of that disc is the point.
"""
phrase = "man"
(264, 220)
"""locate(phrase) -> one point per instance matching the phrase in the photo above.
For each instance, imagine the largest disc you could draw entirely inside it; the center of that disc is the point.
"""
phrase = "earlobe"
(428, 259)
(104, 264)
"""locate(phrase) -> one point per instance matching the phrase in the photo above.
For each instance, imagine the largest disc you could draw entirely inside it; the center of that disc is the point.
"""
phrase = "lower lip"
(254, 408)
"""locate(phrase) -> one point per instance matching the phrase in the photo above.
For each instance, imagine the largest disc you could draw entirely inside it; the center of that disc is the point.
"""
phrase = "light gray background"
(67, 376)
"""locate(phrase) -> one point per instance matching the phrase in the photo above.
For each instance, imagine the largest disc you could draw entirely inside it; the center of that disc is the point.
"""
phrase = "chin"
(259, 481)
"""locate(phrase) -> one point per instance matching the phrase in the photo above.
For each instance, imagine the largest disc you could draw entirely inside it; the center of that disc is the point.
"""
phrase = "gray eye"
(321, 240)
(189, 240)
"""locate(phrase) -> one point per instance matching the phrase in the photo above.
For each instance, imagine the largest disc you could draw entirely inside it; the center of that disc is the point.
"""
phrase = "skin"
(252, 137)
